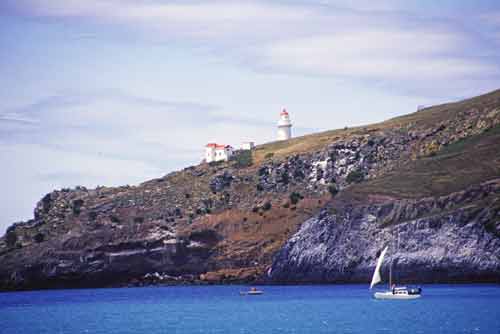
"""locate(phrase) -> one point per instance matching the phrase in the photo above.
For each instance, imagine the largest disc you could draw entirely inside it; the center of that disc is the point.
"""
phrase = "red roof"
(284, 112)
(218, 146)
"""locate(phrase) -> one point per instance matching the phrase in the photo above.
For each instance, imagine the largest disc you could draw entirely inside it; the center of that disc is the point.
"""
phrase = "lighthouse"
(284, 126)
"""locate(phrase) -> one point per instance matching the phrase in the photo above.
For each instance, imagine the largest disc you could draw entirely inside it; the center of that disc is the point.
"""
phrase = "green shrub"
(295, 197)
(269, 155)
(355, 176)
(285, 178)
(39, 237)
(267, 206)
(114, 219)
(11, 238)
(46, 203)
(298, 174)
(332, 189)
(77, 205)
(243, 158)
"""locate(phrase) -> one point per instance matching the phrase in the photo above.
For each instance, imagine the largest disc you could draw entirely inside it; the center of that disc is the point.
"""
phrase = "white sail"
(376, 274)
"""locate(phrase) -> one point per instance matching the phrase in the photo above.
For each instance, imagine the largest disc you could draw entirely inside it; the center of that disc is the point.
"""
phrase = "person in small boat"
(253, 289)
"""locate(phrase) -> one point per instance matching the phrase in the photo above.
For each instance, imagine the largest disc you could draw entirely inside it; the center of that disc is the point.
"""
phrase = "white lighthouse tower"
(284, 126)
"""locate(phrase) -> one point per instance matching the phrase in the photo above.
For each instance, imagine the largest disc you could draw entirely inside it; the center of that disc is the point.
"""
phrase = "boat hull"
(251, 293)
(390, 295)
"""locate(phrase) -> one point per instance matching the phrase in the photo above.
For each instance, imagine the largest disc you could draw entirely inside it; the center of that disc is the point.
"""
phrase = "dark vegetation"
(295, 197)
(39, 237)
(332, 189)
(269, 155)
(267, 206)
(355, 176)
(11, 238)
(243, 158)
(77, 205)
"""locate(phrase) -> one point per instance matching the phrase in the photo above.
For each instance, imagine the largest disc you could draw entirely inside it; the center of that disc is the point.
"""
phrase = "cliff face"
(444, 239)
(226, 222)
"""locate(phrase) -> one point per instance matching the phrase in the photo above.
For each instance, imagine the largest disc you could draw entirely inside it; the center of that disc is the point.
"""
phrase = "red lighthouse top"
(284, 112)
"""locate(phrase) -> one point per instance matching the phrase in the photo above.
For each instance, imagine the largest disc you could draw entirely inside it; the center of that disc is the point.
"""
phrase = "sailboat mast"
(390, 275)
(397, 250)
(392, 257)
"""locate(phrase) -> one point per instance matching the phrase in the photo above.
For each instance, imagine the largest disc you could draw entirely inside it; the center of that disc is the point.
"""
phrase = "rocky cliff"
(311, 209)
(453, 238)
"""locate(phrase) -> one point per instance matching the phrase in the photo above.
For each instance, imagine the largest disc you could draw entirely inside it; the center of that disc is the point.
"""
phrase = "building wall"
(284, 127)
(218, 154)
(209, 154)
(284, 132)
(248, 145)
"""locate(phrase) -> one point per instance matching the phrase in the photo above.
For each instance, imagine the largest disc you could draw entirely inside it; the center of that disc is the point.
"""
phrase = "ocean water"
(220, 309)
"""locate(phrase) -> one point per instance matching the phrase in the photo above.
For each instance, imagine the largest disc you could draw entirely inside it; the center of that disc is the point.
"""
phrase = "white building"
(216, 152)
(284, 126)
(247, 145)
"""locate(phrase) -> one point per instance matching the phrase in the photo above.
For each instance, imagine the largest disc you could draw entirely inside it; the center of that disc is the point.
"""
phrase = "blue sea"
(220, 309)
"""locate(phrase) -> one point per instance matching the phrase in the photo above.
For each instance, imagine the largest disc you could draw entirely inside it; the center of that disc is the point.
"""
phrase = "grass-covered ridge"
(427, 117)
(466, 162)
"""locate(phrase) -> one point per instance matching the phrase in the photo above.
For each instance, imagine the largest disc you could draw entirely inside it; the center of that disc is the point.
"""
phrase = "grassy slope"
(464, 163)
(426, 117)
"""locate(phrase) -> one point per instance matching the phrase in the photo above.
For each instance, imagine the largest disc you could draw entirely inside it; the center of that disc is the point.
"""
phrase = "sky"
(115, 92)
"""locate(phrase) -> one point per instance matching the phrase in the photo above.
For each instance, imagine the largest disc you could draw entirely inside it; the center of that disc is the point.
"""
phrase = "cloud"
(377, 54)
(16, 119)
(120, 126)
(327, 38)
(201, 19)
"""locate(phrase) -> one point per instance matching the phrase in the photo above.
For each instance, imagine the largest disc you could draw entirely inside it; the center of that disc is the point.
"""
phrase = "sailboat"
(394, 291)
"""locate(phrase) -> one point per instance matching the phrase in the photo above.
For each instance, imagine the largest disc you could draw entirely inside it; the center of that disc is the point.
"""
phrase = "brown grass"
(257, 236)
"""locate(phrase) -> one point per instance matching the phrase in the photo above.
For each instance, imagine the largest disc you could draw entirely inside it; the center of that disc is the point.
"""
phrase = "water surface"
(220, 309)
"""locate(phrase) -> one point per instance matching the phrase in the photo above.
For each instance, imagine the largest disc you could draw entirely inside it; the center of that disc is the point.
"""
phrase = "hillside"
(282, 213)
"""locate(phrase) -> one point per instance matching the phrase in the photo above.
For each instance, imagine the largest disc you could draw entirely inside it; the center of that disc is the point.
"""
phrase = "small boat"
(401, 292)
(394, 292)
(251, 292)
